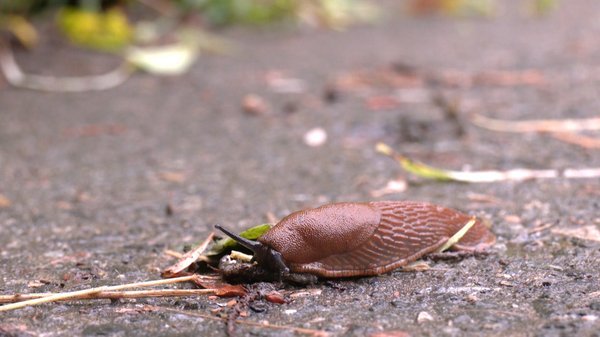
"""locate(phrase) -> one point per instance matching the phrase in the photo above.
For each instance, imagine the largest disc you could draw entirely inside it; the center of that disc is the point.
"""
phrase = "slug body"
(360, 239)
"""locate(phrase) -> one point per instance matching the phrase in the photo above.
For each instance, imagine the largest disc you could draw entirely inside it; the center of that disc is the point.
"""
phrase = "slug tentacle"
(264, 255)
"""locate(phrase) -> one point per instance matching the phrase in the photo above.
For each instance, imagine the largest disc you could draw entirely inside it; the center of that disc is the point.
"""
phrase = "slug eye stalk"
(264, 255)
(252, 245)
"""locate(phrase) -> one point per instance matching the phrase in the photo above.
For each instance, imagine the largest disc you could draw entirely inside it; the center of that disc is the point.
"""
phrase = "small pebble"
(254, 105)
(315, 137)
(424, 316)
(472, 298)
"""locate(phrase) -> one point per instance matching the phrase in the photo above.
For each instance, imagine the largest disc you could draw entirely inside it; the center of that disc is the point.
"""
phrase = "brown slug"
(360, 239)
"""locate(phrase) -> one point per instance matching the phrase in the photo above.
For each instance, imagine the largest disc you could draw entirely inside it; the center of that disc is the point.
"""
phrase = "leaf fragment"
(227, 243)
(174, 59)
(22, 29)
(415, 167)
(187, 259)
(229, 290)
(519, 174)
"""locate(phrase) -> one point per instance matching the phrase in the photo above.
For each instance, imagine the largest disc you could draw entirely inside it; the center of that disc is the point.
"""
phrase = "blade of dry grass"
(520, 174)
(579, 140)
(456, 237)
(542, 125)
(112, 294)
(93, 291)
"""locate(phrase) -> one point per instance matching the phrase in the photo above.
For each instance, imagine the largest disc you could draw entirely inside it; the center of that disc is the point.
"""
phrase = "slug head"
(266, 256)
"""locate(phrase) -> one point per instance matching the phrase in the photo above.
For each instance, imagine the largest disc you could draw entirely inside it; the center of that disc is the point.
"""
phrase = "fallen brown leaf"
(172, 177)
(275, 297)
(506, 78)
(378, 78)
(231, 291)
(380, 103)
(4, 202)
(187, 259)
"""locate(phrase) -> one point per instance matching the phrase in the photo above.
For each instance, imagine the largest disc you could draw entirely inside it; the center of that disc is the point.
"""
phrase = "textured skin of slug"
(311, 235)
(362, 239)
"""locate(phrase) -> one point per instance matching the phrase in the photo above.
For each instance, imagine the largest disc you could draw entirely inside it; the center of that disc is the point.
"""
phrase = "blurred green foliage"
(223, 12)
(542, 7)
(104, 30)
(104, 24)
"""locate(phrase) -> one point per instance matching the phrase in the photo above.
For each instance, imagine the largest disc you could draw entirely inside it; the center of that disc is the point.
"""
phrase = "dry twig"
(112, 294)
(83, 294)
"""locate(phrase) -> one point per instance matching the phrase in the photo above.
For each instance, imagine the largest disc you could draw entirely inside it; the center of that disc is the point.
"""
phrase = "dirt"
(97, 185)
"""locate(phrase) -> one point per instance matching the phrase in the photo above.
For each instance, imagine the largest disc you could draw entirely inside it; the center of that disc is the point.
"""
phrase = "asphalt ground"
(88, 177)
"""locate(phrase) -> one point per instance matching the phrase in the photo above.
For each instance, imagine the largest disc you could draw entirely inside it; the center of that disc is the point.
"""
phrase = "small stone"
(315, 137)
(254, 105)
(472, 298)
(424, 316)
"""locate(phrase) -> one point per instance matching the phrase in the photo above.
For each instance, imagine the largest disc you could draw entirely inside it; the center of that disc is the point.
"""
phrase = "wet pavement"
(88, 177)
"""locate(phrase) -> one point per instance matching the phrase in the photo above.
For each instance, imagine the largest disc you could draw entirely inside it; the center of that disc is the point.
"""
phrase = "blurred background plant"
(177, 29)
(106, 24)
